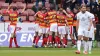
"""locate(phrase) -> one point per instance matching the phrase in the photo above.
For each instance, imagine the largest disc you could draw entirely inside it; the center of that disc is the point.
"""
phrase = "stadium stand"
(31, 19)
(18, 0)
(4, 5)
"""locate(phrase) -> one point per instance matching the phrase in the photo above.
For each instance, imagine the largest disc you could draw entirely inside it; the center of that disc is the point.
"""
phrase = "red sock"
(46, 40)
(37, 39)
(64, 40)
(73, 41)
(56, 39)
(43, 42)
(34, 39)
(50, 38)
(11, 39)
(15, 42)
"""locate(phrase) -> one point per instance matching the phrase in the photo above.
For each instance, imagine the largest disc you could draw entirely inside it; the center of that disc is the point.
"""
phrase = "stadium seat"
(4, 13)
(1, 12)
(20, 5)
(23, 18)
(31, 19)
(18, 0)
(33, 0)
(25, 13)
(30, 12)
(6, 18)
(26, 21)
(13, 5)
(30, 5)
(1, 4)
(5, 5)
(47, 4)
(2, 0)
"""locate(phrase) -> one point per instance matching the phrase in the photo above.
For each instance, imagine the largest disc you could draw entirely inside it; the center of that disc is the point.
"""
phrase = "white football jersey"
(84, 19)
(92, 16)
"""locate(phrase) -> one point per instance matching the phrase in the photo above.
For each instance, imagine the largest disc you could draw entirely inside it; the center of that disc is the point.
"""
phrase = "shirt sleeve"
(77, 16)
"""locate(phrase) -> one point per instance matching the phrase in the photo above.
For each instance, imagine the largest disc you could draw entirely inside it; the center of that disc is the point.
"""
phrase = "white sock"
(78, 45)
(85, 45)
(90, 45)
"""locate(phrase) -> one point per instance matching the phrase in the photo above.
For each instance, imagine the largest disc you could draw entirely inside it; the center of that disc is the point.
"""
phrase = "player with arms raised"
(12, 28)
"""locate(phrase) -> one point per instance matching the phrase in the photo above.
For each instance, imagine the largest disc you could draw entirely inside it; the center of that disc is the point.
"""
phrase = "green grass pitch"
(29, 51)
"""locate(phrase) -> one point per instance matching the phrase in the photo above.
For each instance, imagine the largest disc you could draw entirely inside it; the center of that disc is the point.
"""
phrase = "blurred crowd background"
(32, 6)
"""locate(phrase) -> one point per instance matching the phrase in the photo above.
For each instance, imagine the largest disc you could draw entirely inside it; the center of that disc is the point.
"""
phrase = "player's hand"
(64, 11)
(94, 30)
(89, 29)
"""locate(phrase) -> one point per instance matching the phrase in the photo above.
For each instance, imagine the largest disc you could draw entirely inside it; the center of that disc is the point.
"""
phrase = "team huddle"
(55, 26)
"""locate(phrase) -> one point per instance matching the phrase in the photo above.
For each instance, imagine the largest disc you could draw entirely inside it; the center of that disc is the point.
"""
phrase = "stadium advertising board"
(25, 34)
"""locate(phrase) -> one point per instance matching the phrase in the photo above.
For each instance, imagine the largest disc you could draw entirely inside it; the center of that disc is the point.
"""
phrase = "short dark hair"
(44, 9)
(14, 8)
(83, 5)
(40, 8)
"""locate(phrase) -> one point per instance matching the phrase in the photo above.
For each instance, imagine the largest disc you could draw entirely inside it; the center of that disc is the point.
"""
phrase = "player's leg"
(11, 30)
(80, 35)
(66, 35)
(38, 37)
(63, 32)
(90, 45)
(58, 36)
(50, 34)
(53, 28)
(36, 34)
(13, 36)
(71, 36)
(91, 38)
(47, 35)
(75, 32)
(44, 37)
(86, 38)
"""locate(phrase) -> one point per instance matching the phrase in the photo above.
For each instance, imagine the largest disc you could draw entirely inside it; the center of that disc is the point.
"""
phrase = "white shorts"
(42, 30)
(47, 30)
(70, 31)
(53, 27)
(62, 29)
(67, 30)
(83, 32)
(12, 28)
(37, 27)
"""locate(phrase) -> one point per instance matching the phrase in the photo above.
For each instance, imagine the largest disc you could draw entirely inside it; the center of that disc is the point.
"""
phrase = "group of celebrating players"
(54, 22)
(54, 26)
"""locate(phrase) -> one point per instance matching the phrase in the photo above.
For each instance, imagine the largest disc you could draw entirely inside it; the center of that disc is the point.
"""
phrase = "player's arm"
(91, 22)
(8, 8)
(23, 9)
(67, 14)
(94, 23)
(35, 15)
(66, 21)
(77, 25)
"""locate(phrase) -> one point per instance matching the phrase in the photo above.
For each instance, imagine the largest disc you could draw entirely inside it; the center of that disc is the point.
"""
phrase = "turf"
(29, 51)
